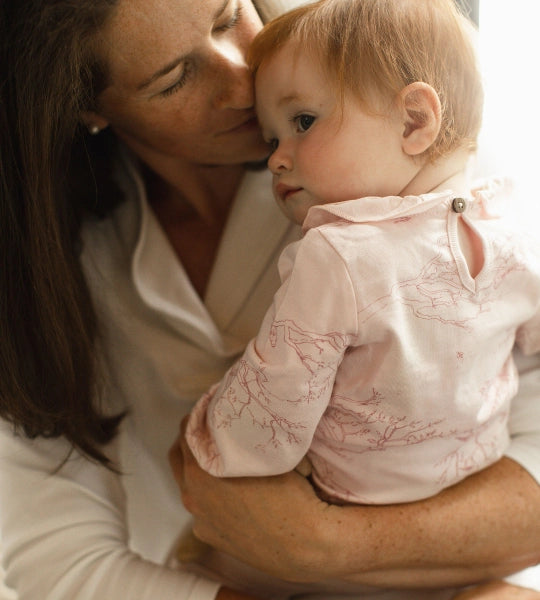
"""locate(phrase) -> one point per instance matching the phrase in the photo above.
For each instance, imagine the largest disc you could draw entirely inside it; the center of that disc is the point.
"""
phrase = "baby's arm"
(260, 419)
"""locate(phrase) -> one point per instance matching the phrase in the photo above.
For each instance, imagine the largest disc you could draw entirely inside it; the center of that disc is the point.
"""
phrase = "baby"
(386, 356)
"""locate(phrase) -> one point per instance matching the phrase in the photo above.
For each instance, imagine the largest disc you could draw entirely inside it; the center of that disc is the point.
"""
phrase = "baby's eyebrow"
(294, 97)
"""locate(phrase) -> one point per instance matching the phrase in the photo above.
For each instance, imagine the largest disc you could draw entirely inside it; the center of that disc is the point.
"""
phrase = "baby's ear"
(421, 112)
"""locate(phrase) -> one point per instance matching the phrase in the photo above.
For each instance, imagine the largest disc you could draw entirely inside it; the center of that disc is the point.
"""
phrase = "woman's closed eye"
(303, 122)
(187, 72)
(188, 69)
(230, 23)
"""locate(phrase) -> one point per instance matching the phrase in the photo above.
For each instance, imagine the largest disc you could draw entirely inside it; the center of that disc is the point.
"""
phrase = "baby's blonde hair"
(375, 48)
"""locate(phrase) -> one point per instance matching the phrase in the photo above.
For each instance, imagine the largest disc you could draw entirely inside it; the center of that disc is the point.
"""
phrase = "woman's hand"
(498, 590)
(252, 519)
(486, 527)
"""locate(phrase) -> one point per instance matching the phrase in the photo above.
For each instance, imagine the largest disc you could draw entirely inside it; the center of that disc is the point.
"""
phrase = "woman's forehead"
(142, 36)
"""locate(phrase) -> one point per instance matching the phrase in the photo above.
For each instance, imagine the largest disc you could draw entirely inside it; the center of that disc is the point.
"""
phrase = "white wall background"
(509, 48)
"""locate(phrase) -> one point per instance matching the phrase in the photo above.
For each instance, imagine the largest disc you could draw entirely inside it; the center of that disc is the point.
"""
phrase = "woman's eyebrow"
(221, 10)
(175, 62)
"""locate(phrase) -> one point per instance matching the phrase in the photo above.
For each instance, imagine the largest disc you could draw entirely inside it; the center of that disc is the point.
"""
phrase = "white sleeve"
(525, 443)
(525, 416)
(64, 533)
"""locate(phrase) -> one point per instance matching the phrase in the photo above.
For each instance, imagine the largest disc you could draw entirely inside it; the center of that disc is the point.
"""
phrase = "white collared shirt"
(94, 534)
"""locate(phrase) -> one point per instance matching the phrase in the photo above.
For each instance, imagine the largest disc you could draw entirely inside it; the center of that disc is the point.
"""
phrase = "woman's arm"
(64, 534)
(485, 527)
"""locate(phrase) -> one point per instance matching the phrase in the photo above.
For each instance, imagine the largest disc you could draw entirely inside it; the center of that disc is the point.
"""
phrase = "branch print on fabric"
(437, 292)
(246, 395)
(368, 426)
(318, 353)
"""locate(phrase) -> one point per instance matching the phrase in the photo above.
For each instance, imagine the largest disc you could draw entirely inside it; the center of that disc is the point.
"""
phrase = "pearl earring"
(94, 129)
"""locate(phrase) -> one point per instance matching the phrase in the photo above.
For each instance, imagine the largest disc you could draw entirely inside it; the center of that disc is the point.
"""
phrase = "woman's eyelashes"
(187, 71)
(232, 22)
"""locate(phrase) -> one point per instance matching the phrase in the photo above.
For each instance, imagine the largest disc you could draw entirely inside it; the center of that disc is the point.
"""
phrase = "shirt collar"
(254, 231)
(484, 199)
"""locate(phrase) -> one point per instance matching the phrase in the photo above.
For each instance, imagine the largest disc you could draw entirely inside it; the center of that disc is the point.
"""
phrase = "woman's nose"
(280, 160)
(235, 88)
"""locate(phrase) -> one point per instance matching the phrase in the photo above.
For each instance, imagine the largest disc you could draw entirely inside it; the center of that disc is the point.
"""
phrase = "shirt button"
(459, 205)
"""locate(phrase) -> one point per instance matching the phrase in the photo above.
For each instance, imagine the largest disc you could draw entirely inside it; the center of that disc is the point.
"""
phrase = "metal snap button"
(459, 205)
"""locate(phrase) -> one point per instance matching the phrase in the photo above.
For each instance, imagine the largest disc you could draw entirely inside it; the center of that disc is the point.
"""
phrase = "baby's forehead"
(291, 59)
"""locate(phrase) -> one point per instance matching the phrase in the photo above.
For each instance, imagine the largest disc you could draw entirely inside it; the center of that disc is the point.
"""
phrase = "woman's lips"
(246, 125)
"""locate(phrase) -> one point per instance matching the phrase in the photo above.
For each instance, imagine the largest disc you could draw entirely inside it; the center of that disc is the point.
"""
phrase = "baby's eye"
(304, 122)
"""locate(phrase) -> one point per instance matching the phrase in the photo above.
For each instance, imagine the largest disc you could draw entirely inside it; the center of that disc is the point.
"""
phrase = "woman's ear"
(93, 121)
(421, 112)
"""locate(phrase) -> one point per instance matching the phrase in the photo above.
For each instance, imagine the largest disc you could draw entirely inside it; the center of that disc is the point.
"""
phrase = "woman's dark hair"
(48, 326)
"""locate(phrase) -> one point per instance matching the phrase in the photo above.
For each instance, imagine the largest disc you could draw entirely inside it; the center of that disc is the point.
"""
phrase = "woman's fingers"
(177, 454)
(498, 590)
(234, 514)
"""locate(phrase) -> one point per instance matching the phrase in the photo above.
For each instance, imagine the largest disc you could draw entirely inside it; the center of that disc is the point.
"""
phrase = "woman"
(155, 93)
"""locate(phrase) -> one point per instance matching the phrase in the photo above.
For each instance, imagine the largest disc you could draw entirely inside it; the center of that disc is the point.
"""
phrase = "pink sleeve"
(260, 419)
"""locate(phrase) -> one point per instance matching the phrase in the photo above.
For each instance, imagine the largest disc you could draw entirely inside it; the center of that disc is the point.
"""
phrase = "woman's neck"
(192, 190)
(191, 202)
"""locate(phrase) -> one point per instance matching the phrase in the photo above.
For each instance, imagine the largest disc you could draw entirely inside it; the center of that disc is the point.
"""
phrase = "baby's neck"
(433, 175)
